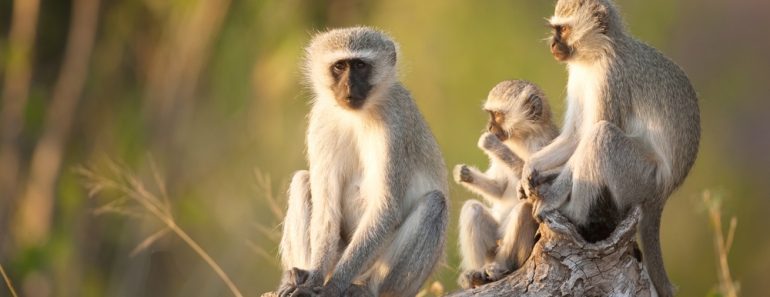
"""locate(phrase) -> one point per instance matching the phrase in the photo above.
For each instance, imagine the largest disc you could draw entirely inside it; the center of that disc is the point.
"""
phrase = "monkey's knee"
(605, 133)
(478, 235)
(471, 212)
(519, 237)
(299, 196)
(300, 183)
(437, 207)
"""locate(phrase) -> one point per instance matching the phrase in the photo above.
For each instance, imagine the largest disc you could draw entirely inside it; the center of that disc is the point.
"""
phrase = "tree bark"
(564, 264)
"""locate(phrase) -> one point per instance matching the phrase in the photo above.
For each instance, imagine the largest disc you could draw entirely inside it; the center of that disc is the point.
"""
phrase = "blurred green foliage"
(212, 91)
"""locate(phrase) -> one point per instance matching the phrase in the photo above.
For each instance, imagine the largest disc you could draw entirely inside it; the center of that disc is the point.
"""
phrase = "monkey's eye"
(498, 116)
(339, 66)
(564, 30)
(359, 65)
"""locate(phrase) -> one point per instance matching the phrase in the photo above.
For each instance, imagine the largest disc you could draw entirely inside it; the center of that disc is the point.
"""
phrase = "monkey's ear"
(601, 14)
(534, 106)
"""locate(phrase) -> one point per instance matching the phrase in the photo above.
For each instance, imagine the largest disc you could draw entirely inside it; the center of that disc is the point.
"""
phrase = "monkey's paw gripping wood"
(564, 264)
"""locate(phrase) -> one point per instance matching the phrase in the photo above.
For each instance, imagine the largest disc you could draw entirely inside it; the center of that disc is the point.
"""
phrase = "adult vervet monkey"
(369, 217)
(497, 240)
(631, 131)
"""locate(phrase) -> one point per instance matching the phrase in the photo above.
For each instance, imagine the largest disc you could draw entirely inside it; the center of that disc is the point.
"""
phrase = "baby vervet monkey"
(631, 131)
(369, 218)
(496, 240)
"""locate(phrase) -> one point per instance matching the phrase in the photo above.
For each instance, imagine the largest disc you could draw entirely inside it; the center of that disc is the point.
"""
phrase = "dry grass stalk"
(128, 185)
(727, 286)
(273, 233)
(8, 282)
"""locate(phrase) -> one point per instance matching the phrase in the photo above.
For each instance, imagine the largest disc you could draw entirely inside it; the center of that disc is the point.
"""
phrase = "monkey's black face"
(495, 125)
(351, 82)
(559, 48)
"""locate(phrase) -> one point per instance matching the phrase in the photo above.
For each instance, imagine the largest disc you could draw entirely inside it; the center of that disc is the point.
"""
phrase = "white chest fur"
(583, 95)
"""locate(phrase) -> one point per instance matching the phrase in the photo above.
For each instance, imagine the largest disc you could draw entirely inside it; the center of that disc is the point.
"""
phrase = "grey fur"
(378, 189)
(632, 126)
(495, 241)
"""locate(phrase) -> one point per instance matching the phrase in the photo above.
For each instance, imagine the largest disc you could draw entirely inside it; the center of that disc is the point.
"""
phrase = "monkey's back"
(665, 108)
(419, 146)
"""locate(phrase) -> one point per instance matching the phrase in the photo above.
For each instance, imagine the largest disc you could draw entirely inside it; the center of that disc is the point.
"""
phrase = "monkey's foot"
(494, 272)
(472, 279)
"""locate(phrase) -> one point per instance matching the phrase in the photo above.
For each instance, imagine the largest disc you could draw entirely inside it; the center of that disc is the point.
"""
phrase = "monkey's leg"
(517, 241)
(478, 241)
(295, 243)
(627, 169)
(609, 161)
(416, 248)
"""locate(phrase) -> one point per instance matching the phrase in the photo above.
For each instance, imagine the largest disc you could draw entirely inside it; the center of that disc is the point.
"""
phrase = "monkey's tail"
(653, 257)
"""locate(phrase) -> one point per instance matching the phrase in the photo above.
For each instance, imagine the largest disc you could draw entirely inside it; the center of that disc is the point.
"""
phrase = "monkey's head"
(584, 30)
(352, 65)
(517, 109)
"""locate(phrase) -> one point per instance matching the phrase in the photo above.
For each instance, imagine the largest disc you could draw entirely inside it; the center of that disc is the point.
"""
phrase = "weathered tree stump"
(564, 264)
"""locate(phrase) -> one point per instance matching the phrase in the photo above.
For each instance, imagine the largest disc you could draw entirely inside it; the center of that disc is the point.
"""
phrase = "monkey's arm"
(476, 181)
(325, 222)
(382, 215)
(497, 151)
(554, 155)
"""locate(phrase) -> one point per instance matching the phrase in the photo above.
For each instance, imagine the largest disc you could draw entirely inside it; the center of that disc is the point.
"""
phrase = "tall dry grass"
(8, 281)
(722, 244)
(130, 188)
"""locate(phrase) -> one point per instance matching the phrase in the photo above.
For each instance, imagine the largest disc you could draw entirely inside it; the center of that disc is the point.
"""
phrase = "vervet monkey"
(631, 131)
(370, 216)
(497, 240)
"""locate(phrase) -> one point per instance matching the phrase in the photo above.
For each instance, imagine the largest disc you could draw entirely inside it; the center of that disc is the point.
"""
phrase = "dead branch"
(564, 264)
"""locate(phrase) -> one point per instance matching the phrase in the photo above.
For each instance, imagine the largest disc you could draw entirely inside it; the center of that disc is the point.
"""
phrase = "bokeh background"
(207, 95)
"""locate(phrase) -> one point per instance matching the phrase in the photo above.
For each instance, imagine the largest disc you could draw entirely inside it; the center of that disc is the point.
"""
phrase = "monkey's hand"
(522, 193)
(291, 280)
(530, 179)
(462, 174)
(550, 196)
(489, 142)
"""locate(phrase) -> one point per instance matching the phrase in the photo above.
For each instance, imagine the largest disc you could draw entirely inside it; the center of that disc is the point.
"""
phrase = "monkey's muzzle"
(560, 51)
